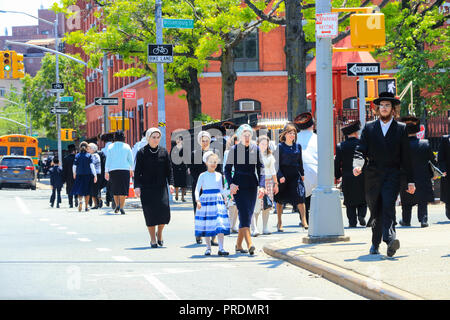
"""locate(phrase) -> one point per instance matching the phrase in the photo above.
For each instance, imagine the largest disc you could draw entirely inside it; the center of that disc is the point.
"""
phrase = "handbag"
(267, 203)
(435, 170)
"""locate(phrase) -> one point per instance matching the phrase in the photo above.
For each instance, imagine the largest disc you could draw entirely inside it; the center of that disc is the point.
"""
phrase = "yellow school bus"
(21, 145)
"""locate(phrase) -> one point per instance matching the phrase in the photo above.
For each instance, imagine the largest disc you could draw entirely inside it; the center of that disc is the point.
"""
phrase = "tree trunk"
(193, 94)
(229, 78)
(295, 59)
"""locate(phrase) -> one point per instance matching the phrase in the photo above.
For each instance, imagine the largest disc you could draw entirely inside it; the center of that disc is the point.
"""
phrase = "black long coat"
(352, 187)
(421, 153)
(444, 165)
(179, 169)
(67, 173)
(385, 156)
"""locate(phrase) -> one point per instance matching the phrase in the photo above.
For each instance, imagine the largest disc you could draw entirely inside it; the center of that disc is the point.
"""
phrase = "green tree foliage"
(39, 99)
(418, 44)
(13, 109)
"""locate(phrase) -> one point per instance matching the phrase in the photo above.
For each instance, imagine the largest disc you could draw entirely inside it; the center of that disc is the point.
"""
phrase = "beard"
(386, 118)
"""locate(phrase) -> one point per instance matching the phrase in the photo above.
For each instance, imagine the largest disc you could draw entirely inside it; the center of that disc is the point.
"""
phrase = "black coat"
(67, 173)
(179, 169)
(385, 156)
(421, 153)
(352, 187)
(444, 165)
(56, 177)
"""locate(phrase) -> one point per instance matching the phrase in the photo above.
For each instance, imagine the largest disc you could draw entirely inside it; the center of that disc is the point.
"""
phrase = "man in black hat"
(352, 187)
(421, 155)
(444, 165)
(67, 173)
(384, 145)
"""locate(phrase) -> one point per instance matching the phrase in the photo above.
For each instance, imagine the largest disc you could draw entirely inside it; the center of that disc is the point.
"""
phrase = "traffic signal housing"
(6, 64)
(68, 134)
(116, 123)
(18, 70)
(367, 30)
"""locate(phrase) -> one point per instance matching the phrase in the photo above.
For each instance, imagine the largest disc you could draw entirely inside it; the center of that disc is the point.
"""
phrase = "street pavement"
(49, 253)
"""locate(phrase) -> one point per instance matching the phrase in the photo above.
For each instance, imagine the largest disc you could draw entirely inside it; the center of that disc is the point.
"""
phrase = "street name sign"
(363, 69)
(178, 23)
(59, 110)
(129, 94)
(160, 53)
(326, 25)
(66, 99)
(57, 87)
(103, 101)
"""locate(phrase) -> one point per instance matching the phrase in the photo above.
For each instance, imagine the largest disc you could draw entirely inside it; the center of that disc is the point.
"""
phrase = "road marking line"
(122, 258)
(54, 224)
(84, 239)
(103, 249)
(44, 219)
(62, 228)
(161, 287)
(22, 206)
(71, 232)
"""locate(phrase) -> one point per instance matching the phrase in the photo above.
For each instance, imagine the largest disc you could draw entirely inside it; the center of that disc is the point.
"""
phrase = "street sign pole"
(123, 114)
(160, 75)
(325, 222)
(362, 101)
(105, 92)
(58, 116)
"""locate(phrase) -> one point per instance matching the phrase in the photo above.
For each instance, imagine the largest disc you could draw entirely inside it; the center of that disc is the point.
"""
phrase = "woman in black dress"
(152, 174)
(290, 175)
(179, 169)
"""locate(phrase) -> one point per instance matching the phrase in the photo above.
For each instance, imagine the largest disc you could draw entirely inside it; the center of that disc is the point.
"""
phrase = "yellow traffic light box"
(6, 64)
(18, 70)
(367, 30)
(116, 123)
(68, 134)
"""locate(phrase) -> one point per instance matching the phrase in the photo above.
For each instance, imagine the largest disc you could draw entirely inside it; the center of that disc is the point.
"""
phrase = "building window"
(246, 54)
(44, 32)
(2, 92)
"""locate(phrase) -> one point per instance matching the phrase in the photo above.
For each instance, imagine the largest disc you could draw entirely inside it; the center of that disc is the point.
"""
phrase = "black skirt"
(155, 204)
(120, 182)
(292, 190)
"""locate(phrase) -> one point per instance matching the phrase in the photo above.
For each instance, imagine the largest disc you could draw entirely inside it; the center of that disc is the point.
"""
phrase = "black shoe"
(70, 206)
(208, 252)
(404, 224)
(93, 208)
(423, 224)
(154, 245)
(352, 226)
(199, 240)
(214, 243)
(57, 206)
(116, 210)
(223, 253)
(362, 221)
(241, 250)
(251, 250)
(393, 246)
(122, 211)
(160, 242)
(374, 250)
(51, 205)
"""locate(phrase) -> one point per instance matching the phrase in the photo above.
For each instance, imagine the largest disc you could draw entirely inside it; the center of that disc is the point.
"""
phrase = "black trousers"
(56, 192)
(307, 206)
(69, 185)
(354, 212)
(447, 210)
(422, 212)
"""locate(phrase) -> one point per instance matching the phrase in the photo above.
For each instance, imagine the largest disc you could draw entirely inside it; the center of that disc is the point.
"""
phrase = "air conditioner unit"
(89, 79)
(353, 104)
(246, 105)
(94, 75)
(88, 6)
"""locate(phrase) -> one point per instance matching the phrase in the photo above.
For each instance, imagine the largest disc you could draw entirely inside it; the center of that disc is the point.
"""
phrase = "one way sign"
(363, 69)
(103, 101)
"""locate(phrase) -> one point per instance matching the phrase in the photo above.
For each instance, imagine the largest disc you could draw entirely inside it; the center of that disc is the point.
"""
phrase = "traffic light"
(6, 64)
(367, 30)
(68, 134)
(18, 70)
(369, 86)
(387, 85)
(116, 123)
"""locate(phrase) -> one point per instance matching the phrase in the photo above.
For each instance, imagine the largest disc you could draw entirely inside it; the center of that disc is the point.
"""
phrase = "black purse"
(267, 203)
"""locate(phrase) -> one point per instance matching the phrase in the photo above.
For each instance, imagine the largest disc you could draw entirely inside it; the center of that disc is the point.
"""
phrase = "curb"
(351, 280)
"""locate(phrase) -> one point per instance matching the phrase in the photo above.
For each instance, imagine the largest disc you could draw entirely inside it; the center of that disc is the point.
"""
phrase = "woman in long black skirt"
(179, 168)
(245, 184)
(152, 174)
(290, 175)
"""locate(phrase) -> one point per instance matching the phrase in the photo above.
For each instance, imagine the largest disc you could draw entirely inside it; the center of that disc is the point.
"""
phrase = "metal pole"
(325, 223)
(105, 92)
(123, 114)
(160, 75)
(362, 101)
(58, 116)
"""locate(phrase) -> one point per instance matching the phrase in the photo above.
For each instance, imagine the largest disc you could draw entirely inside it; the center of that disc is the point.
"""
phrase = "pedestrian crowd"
(240, 178)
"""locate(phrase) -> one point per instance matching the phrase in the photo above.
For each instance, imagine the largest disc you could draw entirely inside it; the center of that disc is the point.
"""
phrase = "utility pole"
(105, 91)
(362, 101)
(325, 223)
(58, 116)
(160, 75)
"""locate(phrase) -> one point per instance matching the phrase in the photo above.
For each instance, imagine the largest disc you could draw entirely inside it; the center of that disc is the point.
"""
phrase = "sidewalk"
(419, 270)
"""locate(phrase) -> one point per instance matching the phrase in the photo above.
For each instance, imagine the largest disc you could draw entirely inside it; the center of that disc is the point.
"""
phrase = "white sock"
(265, 219)
(208, 242)
(220, 238)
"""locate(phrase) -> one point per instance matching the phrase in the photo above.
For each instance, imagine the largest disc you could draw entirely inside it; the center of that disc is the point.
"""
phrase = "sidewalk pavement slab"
(419, 270)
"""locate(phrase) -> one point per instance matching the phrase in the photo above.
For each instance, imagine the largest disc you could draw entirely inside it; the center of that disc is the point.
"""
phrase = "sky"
(7, 20)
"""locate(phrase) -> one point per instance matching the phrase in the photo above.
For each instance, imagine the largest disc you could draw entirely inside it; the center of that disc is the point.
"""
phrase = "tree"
(417, 43)
(298, 17)
(39, 99)
(14, 110)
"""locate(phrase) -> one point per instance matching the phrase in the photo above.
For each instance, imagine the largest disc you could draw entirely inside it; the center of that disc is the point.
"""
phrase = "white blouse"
(269, 165)
(209, 180)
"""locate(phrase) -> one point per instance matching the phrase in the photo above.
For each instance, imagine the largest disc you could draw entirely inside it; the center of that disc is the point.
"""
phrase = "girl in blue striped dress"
(211, 217)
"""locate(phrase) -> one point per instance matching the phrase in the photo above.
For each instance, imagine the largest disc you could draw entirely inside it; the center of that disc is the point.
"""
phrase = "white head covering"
(203, 134)
(206, 155)
(151, 131)
(242, 129)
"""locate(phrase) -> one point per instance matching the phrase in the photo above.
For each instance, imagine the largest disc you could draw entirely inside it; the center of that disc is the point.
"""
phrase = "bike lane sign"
(160, 53)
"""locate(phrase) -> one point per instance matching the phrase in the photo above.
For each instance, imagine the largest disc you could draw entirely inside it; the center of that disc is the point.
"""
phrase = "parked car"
(17, 170)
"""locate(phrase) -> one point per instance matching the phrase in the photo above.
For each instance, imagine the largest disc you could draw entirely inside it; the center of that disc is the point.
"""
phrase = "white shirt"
(385, 126)
(209, 180)
(269, 165)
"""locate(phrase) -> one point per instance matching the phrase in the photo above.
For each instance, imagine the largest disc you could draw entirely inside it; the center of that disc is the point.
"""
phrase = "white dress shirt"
(385, 126)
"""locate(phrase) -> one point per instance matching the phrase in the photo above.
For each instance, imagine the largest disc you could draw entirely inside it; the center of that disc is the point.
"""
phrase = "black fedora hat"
(351, 127)
(304, 121)
(386, 96)
(412, 124)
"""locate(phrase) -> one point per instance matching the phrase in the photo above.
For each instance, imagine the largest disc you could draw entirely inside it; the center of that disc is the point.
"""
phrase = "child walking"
(211, 218)
(56, 181)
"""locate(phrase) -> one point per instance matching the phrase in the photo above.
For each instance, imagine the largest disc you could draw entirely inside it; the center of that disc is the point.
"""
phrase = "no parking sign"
(421, 133)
